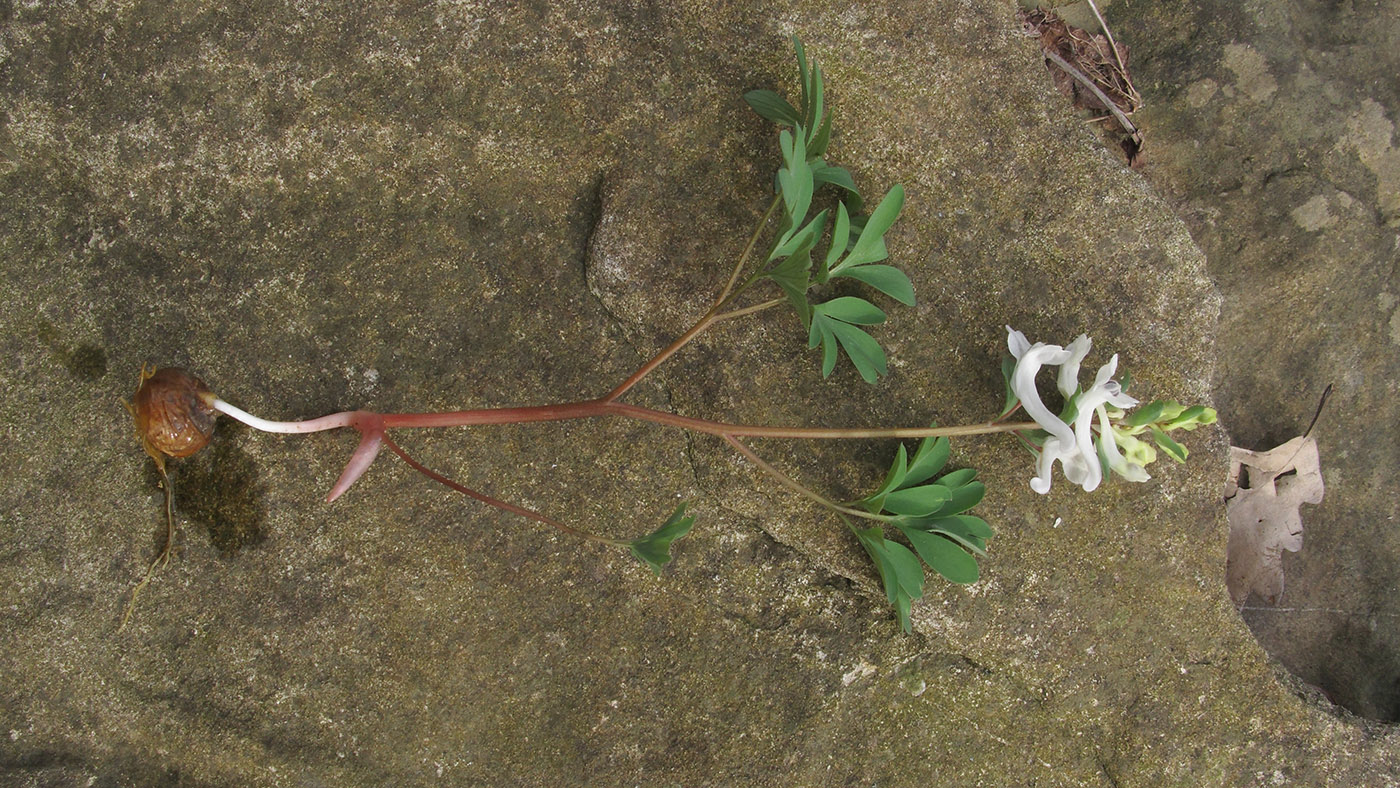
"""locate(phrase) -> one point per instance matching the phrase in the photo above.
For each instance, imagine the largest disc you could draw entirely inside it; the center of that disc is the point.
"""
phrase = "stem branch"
(499, 504)
(793, 484)
(712, 316)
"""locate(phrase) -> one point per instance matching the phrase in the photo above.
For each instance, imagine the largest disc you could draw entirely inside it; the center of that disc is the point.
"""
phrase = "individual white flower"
(1105, 391)
(1061, 444)
(1068, 380)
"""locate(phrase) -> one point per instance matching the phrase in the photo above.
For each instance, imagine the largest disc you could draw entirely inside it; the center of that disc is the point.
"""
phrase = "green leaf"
(886, 278)
(907, 569)
(875, 502)
(654, 549)
(822, 335)
(1146, 414)
(795, 181)
(840, 235)
(950, 527)
(1173, 449)
(1008, 366)
(964, 497)
(943, 555)
(918, 501)
(816, 146)
(836, 176)
(1191, 418)
(807, 237)
(929, 459)
(873, 540)
(772, 107)
(959, 477)
(852, 310)
(964, 525)
(865, 353)
(803, 78)
(815, 103)
(871, 248)
(971, 531)
(792, 275)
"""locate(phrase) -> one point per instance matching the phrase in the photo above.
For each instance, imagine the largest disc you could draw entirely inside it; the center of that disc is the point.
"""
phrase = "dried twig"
(1089, 83)
(1117, 58)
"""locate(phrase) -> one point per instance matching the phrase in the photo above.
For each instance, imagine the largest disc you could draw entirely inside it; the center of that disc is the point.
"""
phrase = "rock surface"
(319, 208)
(1273, 134)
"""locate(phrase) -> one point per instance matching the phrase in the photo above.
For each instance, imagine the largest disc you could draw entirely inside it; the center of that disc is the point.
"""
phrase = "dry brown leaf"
(1262, 497)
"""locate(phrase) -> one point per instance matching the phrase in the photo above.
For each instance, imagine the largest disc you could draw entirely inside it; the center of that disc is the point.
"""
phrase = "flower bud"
(174, 413)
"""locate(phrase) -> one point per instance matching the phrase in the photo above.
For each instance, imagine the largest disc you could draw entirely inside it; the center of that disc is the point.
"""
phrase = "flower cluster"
(1070, 436)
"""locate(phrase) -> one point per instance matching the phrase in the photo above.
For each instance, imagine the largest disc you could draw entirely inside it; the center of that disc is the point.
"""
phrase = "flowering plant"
(920, 499)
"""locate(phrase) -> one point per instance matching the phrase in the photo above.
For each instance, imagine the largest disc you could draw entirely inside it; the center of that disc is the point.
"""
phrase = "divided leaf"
(945, 556)
(870, 248)
(930, 516)
(886, 278)
(794, 181)
(834, 323)
(929, 459)
(918, 501)
(654, 549)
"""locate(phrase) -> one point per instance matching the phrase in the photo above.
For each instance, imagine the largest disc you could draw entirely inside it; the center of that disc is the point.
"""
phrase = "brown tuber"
(174, 413)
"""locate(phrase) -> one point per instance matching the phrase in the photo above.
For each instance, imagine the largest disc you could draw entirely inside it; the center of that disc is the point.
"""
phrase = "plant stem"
(749, 310)
(794, 485)
(499, 504)
(665, 353)
(603, 407)
(744, 257)
(710, 317)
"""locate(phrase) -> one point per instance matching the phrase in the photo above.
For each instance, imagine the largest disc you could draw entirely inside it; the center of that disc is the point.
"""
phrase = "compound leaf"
(862, 349)
(849, 309)
(836, 176)
(870, 248)
(918, 501)
(928, 460)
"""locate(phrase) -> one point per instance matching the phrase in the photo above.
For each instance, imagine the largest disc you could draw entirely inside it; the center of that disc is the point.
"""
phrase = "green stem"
(796, 486)
(710, 317)
(748, 250)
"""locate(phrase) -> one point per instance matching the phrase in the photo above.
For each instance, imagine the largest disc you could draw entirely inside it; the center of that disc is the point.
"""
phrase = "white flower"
(1073, 446)
(1068, 380)
(1104, 391)
(1029, 359)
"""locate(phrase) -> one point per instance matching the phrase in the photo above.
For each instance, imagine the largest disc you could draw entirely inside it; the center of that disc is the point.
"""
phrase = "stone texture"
(319, 208)
(1273, 134)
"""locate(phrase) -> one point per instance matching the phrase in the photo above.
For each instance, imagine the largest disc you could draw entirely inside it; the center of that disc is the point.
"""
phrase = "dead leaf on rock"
(1262, 497)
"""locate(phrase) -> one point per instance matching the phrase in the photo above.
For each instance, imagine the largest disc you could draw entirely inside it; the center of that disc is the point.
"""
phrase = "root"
(162, 559)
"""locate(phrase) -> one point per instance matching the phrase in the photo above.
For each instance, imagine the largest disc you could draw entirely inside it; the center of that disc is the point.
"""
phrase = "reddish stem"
(486, 499)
